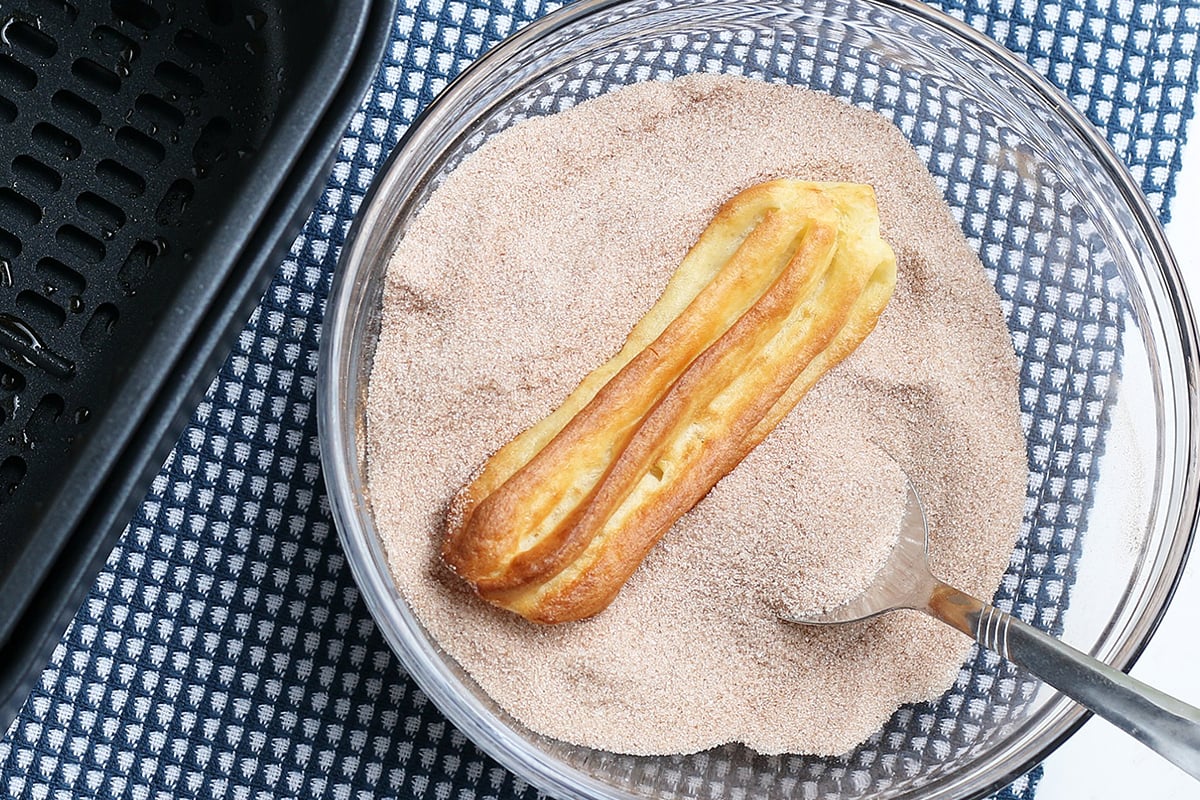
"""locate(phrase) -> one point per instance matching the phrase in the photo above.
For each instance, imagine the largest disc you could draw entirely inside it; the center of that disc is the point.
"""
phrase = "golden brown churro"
(785, 282)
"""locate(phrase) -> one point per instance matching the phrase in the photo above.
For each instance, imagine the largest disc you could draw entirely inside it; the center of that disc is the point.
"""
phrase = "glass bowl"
(1094, 304)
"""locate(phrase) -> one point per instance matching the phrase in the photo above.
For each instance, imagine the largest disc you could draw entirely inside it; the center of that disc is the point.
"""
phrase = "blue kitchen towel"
(224, 650)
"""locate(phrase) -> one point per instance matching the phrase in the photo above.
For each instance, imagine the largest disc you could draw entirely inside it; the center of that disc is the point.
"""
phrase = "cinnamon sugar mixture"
(526, 269)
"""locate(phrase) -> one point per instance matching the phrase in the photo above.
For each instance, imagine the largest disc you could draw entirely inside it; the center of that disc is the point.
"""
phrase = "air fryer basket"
(155, 159)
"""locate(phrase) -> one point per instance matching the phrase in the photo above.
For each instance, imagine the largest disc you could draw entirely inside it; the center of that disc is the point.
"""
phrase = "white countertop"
(1099, 762)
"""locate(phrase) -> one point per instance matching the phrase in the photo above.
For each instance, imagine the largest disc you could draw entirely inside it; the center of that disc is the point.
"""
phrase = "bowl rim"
(344, 491)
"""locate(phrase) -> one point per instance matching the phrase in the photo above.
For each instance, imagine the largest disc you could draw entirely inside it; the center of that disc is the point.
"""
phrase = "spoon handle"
(1166, 725)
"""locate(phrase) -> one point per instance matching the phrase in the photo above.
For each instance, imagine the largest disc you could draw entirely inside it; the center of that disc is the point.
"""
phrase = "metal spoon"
(1161, 722)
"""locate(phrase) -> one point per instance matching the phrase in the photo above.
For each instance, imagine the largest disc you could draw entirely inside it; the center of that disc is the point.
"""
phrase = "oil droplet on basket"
(15, 328)
(75, 304)
(256, 19)
(49, 288)
(12, 19)
(81, 415)
(6, 276)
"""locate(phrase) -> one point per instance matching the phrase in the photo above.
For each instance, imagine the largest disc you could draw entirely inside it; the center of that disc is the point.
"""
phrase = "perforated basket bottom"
(127, 126)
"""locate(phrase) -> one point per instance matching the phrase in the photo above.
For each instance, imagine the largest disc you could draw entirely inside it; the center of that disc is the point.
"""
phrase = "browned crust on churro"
(784, 283)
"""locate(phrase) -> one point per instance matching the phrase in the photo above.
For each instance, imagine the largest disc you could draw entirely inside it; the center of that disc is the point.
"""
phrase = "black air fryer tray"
(156, 159)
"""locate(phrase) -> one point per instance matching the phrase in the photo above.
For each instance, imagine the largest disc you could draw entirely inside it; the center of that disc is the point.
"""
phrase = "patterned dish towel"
(224, 651)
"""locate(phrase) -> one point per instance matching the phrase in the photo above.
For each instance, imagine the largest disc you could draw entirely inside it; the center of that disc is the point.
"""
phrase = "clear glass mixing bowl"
(1095, 307)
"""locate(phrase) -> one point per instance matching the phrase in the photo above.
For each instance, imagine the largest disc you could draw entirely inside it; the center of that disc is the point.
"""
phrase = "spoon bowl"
(904, 581)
